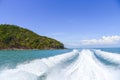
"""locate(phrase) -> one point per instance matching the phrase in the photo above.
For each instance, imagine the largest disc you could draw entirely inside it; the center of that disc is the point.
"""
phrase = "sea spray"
(36, 68)
(75, 65)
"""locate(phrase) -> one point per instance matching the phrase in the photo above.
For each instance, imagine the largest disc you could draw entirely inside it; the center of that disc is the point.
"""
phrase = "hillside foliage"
(15, 37)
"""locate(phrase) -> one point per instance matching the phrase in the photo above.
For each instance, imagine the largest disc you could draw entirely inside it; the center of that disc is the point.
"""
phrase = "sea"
(66, 64)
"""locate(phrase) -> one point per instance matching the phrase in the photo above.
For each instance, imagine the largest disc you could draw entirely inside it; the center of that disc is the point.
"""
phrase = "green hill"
(15, 37)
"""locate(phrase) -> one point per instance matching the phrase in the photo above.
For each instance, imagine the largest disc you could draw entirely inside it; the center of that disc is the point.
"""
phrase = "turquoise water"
(11, 58)
(71, 64)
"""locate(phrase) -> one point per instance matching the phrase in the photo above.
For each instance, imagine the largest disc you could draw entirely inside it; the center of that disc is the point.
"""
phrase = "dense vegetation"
(15, 37)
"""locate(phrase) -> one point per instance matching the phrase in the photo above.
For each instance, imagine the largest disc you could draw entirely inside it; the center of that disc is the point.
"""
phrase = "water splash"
(75, 65)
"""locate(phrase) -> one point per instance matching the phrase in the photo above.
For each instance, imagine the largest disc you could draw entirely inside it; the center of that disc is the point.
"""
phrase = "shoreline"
(31, 49)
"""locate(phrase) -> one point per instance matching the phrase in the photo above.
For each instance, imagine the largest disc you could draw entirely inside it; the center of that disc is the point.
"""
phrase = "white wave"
(35, 68)
(114, 57)
(84, 67)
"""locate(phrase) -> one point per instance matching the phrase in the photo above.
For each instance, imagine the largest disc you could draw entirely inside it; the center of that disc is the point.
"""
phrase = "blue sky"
(69, 21)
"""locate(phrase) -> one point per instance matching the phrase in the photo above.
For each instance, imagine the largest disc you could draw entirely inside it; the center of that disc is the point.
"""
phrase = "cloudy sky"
(76, 23)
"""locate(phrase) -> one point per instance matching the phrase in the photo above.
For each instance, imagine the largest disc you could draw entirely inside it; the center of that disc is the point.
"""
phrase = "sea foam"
(75, 65)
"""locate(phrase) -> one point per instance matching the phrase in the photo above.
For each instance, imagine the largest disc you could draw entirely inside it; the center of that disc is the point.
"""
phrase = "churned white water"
(75, 65)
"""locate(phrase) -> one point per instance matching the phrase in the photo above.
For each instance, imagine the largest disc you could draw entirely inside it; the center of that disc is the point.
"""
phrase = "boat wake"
(76, 65)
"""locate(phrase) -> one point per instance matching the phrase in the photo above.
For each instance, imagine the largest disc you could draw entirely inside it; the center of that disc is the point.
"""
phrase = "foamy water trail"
(113, 57)
(36, 68)
(75, 65)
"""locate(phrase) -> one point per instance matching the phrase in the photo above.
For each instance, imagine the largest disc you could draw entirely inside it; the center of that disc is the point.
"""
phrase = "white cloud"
(103, 41)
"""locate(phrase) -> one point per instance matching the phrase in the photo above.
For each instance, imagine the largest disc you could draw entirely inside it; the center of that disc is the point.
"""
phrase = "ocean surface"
(68, 64)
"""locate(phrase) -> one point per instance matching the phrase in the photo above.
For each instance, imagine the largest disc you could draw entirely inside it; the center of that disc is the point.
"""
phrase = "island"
(15, 37)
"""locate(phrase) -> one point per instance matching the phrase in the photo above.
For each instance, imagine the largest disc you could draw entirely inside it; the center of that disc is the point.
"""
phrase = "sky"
(76, 23)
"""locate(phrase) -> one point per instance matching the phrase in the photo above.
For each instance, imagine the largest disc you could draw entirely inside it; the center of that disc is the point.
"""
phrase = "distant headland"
(15, 37)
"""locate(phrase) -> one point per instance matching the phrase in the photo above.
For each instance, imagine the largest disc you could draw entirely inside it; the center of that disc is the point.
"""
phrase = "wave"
(113, 57)
(75, 65)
